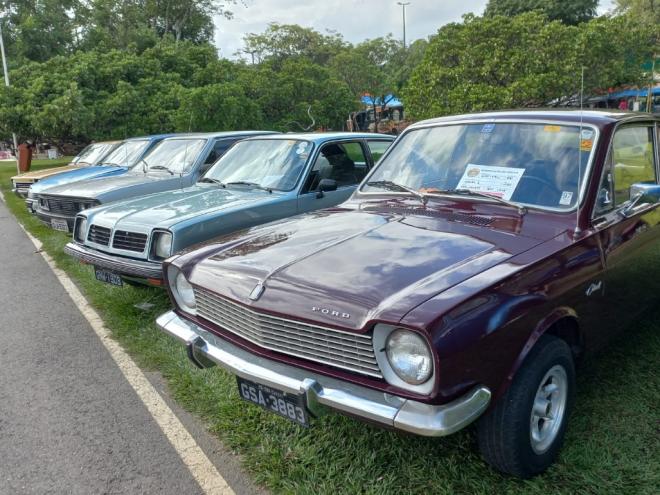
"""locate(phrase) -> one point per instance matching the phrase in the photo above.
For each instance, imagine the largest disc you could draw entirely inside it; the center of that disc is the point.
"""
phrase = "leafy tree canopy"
(488, 63)
(566, 11)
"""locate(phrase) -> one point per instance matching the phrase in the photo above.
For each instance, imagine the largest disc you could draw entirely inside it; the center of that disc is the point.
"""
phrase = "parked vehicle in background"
(116, 162)
(174, 163)
(258, 180)
(89, 156)
(481, 258)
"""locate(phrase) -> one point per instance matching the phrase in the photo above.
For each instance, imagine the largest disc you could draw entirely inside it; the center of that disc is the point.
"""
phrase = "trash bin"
(24, 157)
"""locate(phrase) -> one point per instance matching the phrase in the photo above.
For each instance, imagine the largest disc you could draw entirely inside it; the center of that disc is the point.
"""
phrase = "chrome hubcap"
(548, 409)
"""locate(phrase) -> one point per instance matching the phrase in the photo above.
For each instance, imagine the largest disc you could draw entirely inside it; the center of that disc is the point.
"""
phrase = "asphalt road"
(69, 421)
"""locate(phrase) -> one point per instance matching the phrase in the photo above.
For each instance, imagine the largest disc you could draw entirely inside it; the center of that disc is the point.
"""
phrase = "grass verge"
(612, 447)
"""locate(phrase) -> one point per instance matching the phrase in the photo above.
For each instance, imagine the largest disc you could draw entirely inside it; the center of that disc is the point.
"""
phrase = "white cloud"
(356, 20)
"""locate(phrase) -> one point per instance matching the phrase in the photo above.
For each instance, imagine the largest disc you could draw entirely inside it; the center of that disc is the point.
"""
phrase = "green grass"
(612, 447)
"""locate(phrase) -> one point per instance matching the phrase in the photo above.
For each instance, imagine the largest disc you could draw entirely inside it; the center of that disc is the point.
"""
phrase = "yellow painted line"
(199, 465)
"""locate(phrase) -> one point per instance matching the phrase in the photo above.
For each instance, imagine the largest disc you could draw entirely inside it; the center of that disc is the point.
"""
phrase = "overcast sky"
(356, 20)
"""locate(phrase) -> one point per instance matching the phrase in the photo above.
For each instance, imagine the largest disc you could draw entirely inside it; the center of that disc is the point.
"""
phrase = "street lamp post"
(4, 68)
(403, 6)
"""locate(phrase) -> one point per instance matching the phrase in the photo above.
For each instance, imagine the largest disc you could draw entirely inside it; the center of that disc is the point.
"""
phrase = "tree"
(373, 68)
(567, 11)
(524, 61)
(282, 41)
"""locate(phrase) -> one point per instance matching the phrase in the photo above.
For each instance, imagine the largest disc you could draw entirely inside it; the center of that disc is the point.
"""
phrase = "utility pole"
(4, 68)
(403, 6)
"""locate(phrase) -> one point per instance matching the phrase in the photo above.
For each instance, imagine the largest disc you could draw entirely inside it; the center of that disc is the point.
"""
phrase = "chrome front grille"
(99, 235)
(64, 206)
(23, 185)
(129, 241)
(324, 345)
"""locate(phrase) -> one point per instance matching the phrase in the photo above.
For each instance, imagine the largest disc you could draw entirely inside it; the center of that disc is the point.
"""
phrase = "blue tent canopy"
(390, 101)
(628, 93)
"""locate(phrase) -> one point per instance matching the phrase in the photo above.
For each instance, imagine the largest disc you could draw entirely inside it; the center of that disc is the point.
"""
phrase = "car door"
(629, 237)
(345, 162)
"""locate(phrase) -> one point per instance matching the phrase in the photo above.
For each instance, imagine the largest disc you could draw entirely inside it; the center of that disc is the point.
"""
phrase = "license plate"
(107, 277)
(289, 406)
(60, 225)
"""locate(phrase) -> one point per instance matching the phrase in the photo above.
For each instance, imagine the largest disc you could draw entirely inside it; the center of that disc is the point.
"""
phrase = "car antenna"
(578, 231)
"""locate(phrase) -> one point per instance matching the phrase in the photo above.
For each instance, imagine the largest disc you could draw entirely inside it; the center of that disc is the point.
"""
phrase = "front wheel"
(524, 432)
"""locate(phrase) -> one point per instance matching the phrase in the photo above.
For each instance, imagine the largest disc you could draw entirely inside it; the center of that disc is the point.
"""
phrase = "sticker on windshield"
(586, 144)
(487, 128)
(586, 134)
(552, 128)
(566, 198)
(498, 181)
(302, 147)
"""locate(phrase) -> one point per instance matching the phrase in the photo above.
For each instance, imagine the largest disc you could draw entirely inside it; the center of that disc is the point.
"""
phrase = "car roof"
(568, 115)
(321, 137)
(207, 135)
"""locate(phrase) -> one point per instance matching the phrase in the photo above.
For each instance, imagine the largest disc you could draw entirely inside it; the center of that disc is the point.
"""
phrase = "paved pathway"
(69, 420)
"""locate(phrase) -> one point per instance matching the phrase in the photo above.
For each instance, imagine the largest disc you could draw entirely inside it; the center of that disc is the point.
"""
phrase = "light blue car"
(173, 163)
(258, 180)
(116, 162)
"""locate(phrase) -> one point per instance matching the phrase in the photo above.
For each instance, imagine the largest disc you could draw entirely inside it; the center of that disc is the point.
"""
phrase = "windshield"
(93, 153)
(533, 164)
(126, 154)
(175, 155)
(272, 163)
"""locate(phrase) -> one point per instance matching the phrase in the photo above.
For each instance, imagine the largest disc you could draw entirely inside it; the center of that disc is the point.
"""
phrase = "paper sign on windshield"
(498, 181)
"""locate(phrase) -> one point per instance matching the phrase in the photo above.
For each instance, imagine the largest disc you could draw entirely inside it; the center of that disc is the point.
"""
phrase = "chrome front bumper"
(322, 392)
(116, 264)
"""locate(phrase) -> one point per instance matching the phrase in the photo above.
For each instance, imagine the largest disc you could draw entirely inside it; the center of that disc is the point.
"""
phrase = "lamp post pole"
(4, 68)
(403, 6)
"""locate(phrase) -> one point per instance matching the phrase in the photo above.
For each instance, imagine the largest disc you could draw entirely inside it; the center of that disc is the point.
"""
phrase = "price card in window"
(498, 181)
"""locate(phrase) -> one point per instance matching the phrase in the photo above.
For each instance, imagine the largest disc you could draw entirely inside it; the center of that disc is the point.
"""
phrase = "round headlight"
(81, 229)
(185, 293)
(163, 245)
(409, 356)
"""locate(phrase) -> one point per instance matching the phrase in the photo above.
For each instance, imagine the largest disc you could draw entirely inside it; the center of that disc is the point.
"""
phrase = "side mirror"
(641, 193)
(326, 185)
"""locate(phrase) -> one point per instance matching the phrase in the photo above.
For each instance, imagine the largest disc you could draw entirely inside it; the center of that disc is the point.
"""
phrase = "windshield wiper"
(161, 167)
(393, 186)
(214, 181)
(109, 163)
(468, 192)
(251, 184)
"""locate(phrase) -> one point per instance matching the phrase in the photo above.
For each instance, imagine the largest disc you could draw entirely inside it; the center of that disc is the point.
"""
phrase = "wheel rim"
(548, 409)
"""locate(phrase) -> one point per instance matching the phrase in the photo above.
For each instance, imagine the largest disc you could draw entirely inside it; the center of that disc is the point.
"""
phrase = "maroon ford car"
(462, 281)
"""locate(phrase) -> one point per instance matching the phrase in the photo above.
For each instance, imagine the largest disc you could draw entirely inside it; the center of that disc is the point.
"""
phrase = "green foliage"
(566, 11)
(38, 31)
(488, 63)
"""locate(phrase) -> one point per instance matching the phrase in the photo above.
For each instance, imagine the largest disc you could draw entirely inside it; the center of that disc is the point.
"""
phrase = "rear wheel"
(523, 434)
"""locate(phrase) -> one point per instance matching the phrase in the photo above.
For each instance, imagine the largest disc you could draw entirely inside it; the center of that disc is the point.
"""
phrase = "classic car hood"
(170, 207)
(79, 173)
(96, 187)
(42, 174)
(371, 266)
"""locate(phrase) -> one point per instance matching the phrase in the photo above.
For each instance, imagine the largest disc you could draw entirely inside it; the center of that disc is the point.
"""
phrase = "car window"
(378, 149)
(632, 156)
(218, 150)
(175, 154)
(528, 163)
(272, 163)
(344, 163)
(126, 154)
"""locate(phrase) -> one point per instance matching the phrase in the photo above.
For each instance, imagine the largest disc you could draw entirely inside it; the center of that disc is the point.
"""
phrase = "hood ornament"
(257, 291)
